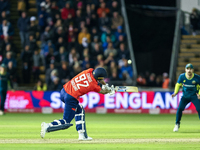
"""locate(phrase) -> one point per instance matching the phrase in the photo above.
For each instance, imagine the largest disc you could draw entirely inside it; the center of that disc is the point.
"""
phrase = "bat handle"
(119, 90)
(122, 90)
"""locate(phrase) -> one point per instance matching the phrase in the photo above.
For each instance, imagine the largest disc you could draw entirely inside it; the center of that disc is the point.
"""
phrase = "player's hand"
(112, 92)
(106, 87)
(198, 96)
(173, 95)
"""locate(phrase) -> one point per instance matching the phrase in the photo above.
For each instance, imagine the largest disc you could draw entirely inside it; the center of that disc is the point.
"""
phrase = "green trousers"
(3, 99)
(184, 101)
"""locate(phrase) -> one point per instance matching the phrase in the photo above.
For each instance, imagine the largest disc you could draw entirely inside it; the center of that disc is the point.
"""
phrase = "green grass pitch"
(109, 131)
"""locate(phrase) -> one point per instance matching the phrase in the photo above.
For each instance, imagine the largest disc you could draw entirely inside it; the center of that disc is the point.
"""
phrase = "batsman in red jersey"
(86, 81)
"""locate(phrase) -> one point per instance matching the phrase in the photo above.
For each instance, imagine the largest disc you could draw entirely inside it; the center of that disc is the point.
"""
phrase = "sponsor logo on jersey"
(188, 85)
(193, 82)
(184, 80)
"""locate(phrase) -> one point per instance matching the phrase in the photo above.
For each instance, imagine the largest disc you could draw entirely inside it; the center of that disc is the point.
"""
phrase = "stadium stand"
(8, 49)
(189, 42)
(71, 35)
(189, 53)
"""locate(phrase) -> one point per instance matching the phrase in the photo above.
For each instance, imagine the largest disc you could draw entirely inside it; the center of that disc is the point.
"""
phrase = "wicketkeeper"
(86, 81)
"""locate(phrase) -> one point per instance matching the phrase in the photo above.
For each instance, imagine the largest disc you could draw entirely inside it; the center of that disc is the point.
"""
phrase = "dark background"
(152, 33)
(168, 3)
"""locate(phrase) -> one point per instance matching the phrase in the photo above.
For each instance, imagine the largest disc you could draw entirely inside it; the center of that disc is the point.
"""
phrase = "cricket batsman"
(190, 86)
(84, 82)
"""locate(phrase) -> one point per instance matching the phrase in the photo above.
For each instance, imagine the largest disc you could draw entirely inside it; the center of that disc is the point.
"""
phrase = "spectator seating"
(71, 36)
(189, 53)
(71, 26)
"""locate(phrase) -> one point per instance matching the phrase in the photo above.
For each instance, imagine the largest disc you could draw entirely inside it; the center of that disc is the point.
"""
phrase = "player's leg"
(196, 103)
(81, 124)
(69, 113)
(180, 109)
(3, 99)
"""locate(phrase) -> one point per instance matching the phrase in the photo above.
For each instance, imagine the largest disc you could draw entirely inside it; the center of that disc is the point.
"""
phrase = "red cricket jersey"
(81, 84)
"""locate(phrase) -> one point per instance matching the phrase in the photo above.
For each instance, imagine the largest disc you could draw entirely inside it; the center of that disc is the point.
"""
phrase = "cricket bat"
(126, 89)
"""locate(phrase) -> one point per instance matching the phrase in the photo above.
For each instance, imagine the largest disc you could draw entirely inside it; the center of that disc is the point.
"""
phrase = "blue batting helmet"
(99, 73)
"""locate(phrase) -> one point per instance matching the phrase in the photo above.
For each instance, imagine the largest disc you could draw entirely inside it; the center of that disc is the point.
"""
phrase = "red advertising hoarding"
(142, 102)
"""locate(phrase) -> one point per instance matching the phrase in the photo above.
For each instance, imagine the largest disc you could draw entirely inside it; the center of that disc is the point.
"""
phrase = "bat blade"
(126, 89)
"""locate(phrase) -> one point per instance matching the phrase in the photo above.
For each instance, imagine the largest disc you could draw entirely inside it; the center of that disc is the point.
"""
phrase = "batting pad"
(80, 121)
(58, 125)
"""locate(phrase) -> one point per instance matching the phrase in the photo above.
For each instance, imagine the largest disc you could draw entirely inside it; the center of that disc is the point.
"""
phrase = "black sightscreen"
(152, 33)
(167, 3)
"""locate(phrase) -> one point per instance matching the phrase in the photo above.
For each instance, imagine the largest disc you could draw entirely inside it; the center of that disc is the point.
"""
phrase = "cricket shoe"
(176, 127)
(44, 127)
(83, 138)
(1, 113)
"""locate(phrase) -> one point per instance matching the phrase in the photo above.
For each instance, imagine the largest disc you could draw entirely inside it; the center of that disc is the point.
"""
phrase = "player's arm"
(109, 90)
(198, 94)
(176, 89)
(105, 89)
(177, 86)
(198, 88)
(102, 82)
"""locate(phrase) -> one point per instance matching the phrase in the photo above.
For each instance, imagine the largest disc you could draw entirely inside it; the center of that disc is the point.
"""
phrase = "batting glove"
(112, 92)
